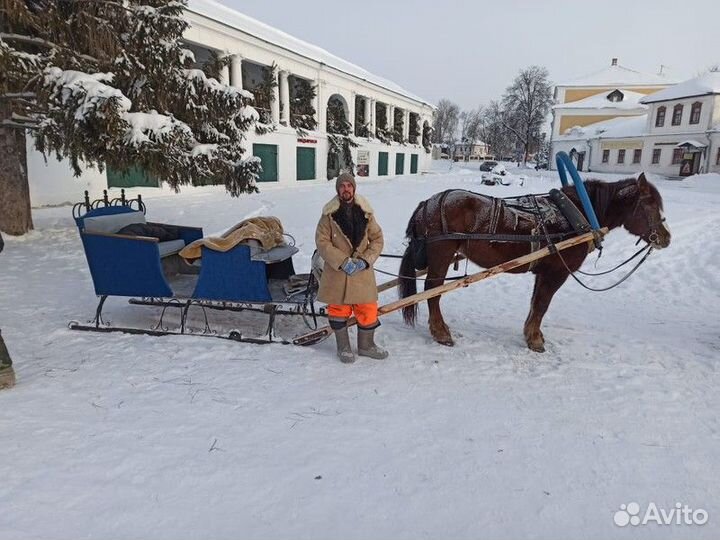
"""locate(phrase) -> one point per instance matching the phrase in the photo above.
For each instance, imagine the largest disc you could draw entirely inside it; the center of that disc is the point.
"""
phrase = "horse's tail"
(407, 285)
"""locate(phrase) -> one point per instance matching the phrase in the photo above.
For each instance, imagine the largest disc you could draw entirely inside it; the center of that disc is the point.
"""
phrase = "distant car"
(499, 169)
(541, 166)
(487, 166)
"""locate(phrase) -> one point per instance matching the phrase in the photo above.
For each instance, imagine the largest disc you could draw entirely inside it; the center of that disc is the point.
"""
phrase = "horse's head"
(646, 219)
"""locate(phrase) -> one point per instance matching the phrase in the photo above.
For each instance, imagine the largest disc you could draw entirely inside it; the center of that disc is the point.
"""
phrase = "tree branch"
(44, 43)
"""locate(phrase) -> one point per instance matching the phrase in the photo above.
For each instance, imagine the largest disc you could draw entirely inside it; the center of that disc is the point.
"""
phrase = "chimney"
(614, 62)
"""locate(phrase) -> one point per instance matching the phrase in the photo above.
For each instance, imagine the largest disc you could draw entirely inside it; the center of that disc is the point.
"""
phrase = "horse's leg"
(438, 265)
(547, 284)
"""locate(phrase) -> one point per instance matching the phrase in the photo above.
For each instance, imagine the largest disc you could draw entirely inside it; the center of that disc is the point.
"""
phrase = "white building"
(287, 156)
(678, 135)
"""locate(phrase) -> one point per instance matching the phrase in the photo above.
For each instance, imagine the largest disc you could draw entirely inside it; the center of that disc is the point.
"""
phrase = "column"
(275, 105)
(389, 113)
(236, 71)
(225, 75)
(284, 99)
(320, 105)
(373, 116)
(406, 125)
(367, 118)
(351, 113)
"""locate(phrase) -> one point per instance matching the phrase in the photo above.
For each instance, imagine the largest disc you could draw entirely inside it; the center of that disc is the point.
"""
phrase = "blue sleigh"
(151, 273)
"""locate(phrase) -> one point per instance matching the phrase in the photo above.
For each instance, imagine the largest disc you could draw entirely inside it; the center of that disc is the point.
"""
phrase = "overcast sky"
(469, 51)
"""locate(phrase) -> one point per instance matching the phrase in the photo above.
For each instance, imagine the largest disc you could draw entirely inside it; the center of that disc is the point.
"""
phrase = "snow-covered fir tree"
(108, 83)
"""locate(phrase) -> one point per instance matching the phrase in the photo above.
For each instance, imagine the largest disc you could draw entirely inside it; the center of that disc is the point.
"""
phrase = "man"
(7, 374)
(349, 240)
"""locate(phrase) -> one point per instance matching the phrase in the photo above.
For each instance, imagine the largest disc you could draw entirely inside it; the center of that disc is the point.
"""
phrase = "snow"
(622, 126)
(691, 142)
(631, 100)
(120, 436)
(707, 83)
(618, 75)
(147, 127)
(92, 86)
(253, 27)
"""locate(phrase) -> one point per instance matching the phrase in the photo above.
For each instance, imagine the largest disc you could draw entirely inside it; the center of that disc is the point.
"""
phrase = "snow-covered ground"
(119, 436)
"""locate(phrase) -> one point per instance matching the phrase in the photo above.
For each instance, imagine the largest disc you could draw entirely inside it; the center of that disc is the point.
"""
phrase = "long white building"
(288, 155)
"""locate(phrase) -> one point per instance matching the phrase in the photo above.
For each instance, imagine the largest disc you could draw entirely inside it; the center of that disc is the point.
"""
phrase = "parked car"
(487, 166)
(541, 166)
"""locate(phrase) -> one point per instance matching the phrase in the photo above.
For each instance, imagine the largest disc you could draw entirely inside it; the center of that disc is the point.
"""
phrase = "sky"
(469, 52)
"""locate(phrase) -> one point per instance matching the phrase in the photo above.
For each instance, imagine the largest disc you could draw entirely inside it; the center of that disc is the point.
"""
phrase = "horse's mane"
(602, 194)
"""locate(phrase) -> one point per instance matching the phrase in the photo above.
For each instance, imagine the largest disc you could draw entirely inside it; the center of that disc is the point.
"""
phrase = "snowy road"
(114, 436)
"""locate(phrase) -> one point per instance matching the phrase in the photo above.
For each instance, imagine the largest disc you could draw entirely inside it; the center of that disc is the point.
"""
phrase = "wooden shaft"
(394, 282)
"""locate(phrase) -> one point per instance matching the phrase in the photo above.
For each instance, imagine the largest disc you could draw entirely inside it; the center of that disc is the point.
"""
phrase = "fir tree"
(264, 94)
(382, 131)
(397, 128)
(414, 129)
(339, 139)
(427, 138)
(302, 111)
(108, 83)
(362, 124)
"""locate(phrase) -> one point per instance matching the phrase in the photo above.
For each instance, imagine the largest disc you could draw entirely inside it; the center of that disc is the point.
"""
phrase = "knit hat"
(345, 177)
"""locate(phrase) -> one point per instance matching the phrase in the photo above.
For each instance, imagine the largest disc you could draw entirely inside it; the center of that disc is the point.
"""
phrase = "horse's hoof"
(537, 347)
(445, 340)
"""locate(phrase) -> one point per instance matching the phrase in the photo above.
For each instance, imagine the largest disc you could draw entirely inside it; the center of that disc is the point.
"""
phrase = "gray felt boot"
(344, 351)
(367, 346)
(7, 374)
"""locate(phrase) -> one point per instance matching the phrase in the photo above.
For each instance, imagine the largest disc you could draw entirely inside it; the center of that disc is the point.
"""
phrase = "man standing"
(349, 240)
(7, 374)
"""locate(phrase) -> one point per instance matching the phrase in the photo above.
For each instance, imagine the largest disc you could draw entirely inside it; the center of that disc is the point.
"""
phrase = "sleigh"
(151, 273)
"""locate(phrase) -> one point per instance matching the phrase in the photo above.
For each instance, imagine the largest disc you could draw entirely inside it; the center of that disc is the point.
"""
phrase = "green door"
(382, 163)
(268, 154)
(399, 163)
(305, 163)
(413, 163)
(133, 177)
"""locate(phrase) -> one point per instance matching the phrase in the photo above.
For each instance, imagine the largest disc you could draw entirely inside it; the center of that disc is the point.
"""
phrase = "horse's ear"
(642, 182)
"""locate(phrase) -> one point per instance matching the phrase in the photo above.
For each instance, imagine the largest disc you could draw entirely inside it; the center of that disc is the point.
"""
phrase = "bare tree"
(493, 131)
(445, 123)
(470, 130)
(525, 106)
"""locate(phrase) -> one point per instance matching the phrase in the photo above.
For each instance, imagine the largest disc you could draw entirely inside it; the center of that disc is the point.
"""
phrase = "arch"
(338, 114)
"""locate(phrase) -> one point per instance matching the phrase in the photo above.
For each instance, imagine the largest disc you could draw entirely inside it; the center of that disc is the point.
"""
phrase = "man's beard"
(347, 197)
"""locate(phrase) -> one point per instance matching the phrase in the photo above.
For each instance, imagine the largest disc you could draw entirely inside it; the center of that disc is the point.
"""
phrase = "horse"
(634, 204)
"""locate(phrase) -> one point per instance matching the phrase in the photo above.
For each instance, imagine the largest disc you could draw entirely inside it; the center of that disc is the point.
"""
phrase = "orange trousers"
(366, 314)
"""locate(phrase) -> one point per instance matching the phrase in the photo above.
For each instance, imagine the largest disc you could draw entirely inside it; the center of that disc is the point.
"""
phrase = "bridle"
(654, 223)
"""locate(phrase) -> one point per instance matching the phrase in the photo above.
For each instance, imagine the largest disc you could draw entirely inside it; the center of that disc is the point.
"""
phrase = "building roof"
(707, 83)
(631, 100)
(248, 25)
(615, 128)
(617, 75)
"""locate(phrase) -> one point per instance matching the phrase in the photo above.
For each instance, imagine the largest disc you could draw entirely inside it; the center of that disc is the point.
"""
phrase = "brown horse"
(633, 204)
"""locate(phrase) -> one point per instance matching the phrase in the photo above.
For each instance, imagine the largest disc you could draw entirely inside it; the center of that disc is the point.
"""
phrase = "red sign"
(307, 141)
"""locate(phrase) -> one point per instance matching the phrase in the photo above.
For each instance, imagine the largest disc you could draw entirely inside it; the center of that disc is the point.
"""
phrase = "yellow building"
(612, 92)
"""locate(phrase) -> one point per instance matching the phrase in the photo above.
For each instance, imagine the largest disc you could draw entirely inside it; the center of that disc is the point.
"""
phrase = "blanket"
(268, 231)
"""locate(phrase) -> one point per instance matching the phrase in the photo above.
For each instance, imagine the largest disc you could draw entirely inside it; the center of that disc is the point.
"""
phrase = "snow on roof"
(707, 83)
(255, 28)
(631, 100)
(615, 128)
(617, 75)
(691, 142)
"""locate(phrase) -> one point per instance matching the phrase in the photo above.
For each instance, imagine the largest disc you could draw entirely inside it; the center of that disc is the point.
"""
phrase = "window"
(660, 117)
(637, 155)
(677, 115)
(677, 156)
(621, 156)
(616, 96)
(656, 155)
(695, 112)
(606, 156)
